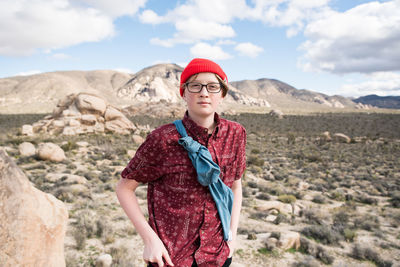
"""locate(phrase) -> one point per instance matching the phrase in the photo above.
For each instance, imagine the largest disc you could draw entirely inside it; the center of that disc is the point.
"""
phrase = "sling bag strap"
(208, 175)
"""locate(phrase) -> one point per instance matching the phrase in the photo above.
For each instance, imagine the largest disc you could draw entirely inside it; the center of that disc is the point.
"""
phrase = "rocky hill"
(155, 85)
(380, 101)
(280, 94)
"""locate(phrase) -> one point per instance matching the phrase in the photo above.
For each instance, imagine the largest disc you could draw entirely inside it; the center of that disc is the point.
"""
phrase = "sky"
(335, 47)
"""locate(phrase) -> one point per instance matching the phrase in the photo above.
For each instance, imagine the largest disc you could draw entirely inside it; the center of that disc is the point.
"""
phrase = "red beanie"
(198, 65)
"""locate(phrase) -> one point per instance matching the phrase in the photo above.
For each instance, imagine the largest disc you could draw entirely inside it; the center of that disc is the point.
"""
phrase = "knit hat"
(198, 65)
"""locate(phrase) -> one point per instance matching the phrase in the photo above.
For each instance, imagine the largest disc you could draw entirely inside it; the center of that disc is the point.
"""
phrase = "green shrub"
(366, 253)
(319, 199)
(287, 198)
(349, 234)
(322, 234)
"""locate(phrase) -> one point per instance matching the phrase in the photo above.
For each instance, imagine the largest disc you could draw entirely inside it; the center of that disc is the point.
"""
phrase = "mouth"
(203, 103)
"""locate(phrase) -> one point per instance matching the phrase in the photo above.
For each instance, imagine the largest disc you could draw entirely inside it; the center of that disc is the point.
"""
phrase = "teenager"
(184, 227)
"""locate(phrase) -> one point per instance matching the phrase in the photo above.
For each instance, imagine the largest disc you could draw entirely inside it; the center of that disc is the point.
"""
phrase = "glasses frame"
(204, 85)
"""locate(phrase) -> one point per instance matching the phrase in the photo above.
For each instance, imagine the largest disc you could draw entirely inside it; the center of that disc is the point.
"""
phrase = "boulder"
(326, 136)
(69, 131)
(112, 114)
(121, 126)
(26, 149)
(88, 119)
(104, 260)
(33, 223)
(289, 239)
(276, 113)
(27, 130)
(84, 113)
(50, 151)
(137, 139)
(342, 138)
(65, 178)
(90, 104)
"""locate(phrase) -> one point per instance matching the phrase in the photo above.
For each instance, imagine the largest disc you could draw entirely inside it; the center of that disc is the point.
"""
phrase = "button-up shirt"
(181, 211)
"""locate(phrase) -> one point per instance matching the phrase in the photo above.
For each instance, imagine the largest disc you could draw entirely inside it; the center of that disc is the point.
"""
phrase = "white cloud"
(198, 20)
(226, 42)
(363, 39)
(205, 50)
(28, 26)
(249, 49)
(206, 20)
(27, 73)
(114, 8)
(150, 17)
(60, 56)
(380, 83)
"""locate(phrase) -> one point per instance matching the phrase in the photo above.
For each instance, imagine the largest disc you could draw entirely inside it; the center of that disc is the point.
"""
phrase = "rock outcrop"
(51, 152)
(33, 223)
(84, 113)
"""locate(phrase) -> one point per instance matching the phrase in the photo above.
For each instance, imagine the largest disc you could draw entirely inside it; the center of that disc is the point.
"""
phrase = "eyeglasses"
(194, 87)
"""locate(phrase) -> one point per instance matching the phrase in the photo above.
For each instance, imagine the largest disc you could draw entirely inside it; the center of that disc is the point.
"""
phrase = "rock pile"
(33, 223)
(82, 113)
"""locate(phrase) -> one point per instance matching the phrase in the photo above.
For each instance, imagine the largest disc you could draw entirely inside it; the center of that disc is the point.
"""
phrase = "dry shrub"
(367, 253)
(323, 234)
(316, 251)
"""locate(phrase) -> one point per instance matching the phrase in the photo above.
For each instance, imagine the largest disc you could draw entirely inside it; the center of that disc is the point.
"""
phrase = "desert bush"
(312, 217)
(255, 160)
(367, 222)
(316, 251)
(338, 196)
(287, 198)
(263, 196)
(120, 256)
(70, 145)
(80, 237)
(395, 199)
(367, 200)
(349, 234)
(308, 261)
(280, 218)
(320, 199)
(366, 253)
(323, 234)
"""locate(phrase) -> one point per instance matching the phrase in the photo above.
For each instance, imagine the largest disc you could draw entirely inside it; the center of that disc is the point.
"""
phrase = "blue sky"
(351, 48)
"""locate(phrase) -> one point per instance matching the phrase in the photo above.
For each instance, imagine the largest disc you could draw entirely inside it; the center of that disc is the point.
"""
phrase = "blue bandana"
(208, 175)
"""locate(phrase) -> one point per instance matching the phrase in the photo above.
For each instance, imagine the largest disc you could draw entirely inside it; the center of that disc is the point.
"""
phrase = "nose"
(203, 92)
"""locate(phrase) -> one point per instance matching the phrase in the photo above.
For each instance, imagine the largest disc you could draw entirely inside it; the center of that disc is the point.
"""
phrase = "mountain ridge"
(39, 93)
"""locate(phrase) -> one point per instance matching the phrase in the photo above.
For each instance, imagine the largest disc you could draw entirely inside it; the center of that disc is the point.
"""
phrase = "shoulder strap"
(181, 129)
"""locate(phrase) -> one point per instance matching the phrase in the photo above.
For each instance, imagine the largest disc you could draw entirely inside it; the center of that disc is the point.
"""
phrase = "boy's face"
(202, 103)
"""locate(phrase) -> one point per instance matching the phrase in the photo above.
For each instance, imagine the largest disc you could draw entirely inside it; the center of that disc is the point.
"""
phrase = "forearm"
(130, 205)
(237, 205)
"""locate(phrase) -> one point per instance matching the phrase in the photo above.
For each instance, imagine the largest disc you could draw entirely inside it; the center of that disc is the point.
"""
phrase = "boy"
(184, 227)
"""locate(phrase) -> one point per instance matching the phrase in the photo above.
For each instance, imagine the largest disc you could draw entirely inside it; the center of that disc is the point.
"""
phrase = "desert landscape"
(322, 184)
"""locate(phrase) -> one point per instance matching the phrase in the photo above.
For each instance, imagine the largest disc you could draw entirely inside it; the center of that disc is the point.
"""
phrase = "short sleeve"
(241, 154)
(145, 165)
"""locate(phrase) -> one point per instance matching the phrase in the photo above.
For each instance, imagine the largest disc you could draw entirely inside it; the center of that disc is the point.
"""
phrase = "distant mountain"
(380, 101)
(154, 88)
(280, 94)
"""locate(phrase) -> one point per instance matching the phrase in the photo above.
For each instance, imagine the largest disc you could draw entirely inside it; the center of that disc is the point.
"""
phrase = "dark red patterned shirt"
(181, 211)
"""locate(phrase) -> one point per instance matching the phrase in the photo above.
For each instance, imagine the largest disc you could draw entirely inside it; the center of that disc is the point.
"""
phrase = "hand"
(155, 252)
(232, 246)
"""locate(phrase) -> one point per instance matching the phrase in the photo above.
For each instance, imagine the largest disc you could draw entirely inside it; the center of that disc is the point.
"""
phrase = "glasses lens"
(194, 87)
(213, 87)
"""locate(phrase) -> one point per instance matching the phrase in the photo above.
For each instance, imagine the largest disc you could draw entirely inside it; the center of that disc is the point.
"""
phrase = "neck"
(206, 122)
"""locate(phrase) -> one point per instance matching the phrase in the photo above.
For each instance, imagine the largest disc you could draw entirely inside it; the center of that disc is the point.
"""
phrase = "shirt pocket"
(228, 170)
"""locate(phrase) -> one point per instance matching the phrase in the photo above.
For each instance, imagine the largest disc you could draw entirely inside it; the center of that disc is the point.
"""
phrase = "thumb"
(167, 258)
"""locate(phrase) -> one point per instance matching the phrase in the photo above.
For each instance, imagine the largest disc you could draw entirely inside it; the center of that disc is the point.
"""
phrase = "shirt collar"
(199, 132)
